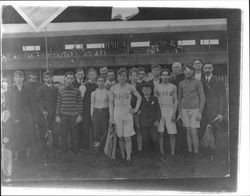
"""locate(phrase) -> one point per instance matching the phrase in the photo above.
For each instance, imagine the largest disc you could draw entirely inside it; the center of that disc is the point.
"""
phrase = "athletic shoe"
(162, 158)
(128, 162)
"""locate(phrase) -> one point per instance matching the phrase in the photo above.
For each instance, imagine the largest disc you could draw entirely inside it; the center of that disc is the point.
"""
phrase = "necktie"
(207, 80)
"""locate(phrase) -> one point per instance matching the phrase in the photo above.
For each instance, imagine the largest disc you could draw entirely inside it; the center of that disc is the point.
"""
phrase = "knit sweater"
(69, 101)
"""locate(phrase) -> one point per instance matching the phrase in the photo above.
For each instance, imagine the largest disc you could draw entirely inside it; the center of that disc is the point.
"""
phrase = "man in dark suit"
(141, 79)
(215, 105)
(156, 70)
(79, 80)
(46, 96)
(32, 85)
(149, 118)
(181, 141)
(86, 90)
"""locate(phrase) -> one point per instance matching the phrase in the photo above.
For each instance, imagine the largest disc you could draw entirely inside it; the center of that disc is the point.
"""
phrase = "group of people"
(181, 103)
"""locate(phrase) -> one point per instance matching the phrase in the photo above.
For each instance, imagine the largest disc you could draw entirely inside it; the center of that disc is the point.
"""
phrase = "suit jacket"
(150, 111)
(215, 93)
(90, 87)
(46, 97)
(151, 82)
(177, 79)
(21, 106)
(32, 88)
(76, 83)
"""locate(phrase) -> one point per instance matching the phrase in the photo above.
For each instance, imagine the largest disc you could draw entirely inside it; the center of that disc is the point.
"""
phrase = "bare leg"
(128, 146)
(172, 144)
(122, 147)
(161, 143)
(139, 142)
(194, 134)
(189, 139)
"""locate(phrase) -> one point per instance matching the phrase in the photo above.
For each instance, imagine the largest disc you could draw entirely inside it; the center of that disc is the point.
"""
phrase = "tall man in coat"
(86, 90)
(46, 97)
(215, 105)
(20, 126)
(177, 77)
(79, 78)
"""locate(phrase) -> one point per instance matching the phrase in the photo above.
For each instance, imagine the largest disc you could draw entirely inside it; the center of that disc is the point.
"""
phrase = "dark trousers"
(150, 138)
(181, 138)
(86, 132)
(69, 126)
(100, 121)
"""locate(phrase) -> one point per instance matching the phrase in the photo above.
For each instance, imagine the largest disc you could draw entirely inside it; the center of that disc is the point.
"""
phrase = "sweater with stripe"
(69, 101)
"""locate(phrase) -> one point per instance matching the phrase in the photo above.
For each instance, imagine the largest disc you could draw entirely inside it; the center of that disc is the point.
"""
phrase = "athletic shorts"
(189, 118)
(166, 120)
(124, 122)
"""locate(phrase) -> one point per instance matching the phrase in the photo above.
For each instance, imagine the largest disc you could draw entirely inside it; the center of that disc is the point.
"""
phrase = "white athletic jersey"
(165, 94)
(122, 95)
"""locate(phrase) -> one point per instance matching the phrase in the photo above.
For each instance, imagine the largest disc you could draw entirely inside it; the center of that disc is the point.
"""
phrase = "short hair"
(177, 63)
(133, 70)
(155, 66)
(47, 73)
(121, 70)
(110, 70)
(33, 73)
(18, 73)
(79, 69)
(69, 73)
(141, 69)
(208, 63)
(100, 76)
(147, 85)
(103, 67)
(197, 60)
(91, 69)
(189, 66)
(165, 70)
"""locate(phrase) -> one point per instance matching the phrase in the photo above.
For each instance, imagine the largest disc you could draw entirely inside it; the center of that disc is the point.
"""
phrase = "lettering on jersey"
(122, 96)
(166, 93)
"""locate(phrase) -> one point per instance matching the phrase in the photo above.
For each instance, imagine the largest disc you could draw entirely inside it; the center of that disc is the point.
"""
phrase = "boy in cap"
(149, 116)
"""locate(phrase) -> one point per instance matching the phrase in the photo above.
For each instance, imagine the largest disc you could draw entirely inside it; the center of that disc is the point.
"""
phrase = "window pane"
(69, 46)
(204, 42)
(79, 46)
(140, 44)
(97, 45)
(37, 48)
(29, 48)
(214, 42)
(186, 42)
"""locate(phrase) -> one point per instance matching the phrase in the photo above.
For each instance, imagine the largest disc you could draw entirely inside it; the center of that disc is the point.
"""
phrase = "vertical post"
(46, 49)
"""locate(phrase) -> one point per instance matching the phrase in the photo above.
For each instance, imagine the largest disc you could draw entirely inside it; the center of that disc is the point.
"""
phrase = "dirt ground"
(84, 166)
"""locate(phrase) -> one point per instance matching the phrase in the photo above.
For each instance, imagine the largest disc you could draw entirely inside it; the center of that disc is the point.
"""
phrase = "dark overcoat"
(20, 126)
(215, 93)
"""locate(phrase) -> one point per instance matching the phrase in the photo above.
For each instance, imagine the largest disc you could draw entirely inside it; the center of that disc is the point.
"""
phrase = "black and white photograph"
(99, 94)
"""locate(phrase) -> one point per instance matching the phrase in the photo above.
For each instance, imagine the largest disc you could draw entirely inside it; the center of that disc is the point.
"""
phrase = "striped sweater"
(69, 101)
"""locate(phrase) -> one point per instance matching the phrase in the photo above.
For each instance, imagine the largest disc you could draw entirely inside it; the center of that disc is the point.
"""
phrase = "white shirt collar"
(209, 77)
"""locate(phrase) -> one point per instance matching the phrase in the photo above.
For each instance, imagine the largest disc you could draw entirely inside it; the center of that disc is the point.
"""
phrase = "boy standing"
(156, 71)
(167, 95)
(121, 113)
(191, 104)
(79, 78)
(69, 111)
(149, 116)
(46, 97)
(100, 112)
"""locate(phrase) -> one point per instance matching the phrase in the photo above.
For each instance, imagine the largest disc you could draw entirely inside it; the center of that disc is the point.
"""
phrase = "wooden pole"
(46, 49)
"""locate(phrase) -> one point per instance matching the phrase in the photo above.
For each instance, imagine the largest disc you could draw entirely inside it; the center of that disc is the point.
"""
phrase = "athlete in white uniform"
(121, 113)
(167, 96)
